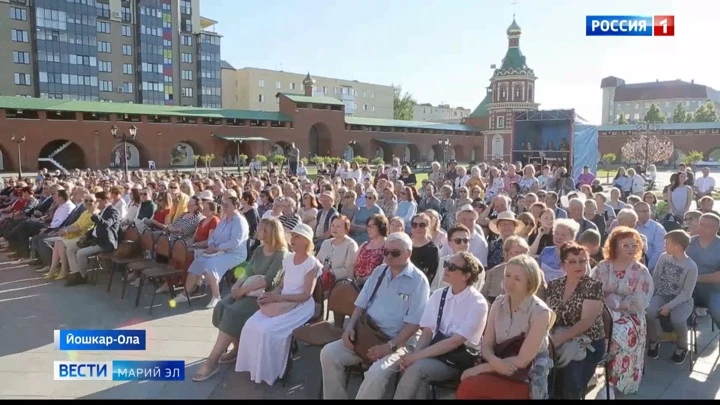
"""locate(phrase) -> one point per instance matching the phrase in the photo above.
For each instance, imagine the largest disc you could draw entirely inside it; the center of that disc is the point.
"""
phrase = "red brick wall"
(98, 148)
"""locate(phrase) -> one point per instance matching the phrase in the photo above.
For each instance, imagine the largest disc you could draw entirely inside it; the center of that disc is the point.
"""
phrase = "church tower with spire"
(512, 89)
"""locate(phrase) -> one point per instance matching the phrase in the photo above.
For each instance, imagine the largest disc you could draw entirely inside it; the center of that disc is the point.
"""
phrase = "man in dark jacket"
(102, 238)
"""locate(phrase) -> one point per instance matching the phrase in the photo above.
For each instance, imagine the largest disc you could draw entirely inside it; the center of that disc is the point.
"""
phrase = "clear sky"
(441, 51)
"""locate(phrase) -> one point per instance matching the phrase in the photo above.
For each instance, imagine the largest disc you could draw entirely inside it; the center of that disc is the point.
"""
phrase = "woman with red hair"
(628, 287)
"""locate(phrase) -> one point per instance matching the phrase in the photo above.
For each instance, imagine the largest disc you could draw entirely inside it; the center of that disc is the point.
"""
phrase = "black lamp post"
(124, 138)
(19, 142)
(445, 144)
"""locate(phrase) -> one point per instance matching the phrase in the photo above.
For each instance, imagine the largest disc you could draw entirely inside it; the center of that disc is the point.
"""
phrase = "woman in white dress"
(265, 339)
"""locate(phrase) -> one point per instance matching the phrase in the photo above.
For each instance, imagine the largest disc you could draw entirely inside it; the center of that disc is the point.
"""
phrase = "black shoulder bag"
(462, 357)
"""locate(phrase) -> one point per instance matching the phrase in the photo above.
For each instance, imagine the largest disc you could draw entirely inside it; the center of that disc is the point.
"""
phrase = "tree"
(679, 114)
(195, 160)
(692, 158)
(706, 113)
(608, 159)
(403, 104)
(654, 115)
(622, 120)
(646, 147)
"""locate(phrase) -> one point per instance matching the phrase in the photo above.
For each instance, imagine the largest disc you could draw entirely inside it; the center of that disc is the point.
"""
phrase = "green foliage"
(243, 158)
(262, 159)
(654, 115)
(304, 161)
(692, 158)
(706, 113)
(680, 115)
(403, 104)
(360, 160)
(378, 161)
(622, 120)
(277, 159)
(609, 158)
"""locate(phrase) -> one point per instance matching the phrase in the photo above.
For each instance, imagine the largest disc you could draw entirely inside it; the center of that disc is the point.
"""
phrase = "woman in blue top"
(564, 230)
(622, 182)
(227, 247)
(406, 208)
(358, 229)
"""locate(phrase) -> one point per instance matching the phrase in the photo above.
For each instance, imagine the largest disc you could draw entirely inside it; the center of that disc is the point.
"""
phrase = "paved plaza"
(31, 308)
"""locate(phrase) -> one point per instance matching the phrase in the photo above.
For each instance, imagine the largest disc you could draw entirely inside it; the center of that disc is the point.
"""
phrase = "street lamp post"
(445, 144)
(124, 138)
(19, 142)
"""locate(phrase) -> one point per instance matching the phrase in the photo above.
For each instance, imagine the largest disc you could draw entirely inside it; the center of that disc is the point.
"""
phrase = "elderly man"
(576, 211)
(705, 185)
(691, 222)
(325, 217)
(467, 216)
(704, 250)
(289, 219)
(394, 297)
(653, 232)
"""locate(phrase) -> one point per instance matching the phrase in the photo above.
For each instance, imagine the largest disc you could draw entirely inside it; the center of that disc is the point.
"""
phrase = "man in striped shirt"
(289, 217)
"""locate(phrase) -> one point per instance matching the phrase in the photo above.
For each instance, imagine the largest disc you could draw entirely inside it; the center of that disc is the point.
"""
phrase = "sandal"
(229, 357)
(200, 378)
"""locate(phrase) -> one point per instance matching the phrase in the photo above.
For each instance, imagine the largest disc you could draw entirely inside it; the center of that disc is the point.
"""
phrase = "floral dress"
(633, 288)
(367, 260)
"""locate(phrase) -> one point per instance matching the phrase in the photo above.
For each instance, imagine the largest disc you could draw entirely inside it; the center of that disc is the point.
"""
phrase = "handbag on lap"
(462, 357)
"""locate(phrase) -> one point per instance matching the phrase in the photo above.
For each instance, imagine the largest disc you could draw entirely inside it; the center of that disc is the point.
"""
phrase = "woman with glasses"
(227, 247)
(308, 210)
(627, 289)
(463, 197)
(425, 254)
(454, 317)
(147, 206)
(370, 253)
(407, 176)
(347, 206)
(358, 230)
(266, 203)
(577, 300)
(407, 207)
(79, 228)
(563, 231)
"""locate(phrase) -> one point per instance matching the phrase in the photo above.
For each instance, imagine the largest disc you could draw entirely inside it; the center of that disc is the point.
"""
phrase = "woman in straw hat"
(265, 338)
(505, 226)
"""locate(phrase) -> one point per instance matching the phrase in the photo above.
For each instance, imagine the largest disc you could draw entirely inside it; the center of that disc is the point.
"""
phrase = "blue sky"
(441, 51)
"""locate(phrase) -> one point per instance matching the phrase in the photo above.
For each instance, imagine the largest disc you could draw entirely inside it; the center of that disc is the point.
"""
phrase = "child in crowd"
(591, 239)
(674, 280)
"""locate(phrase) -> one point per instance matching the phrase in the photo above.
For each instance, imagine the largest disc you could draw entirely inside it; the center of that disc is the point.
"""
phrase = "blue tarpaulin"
(586, 151)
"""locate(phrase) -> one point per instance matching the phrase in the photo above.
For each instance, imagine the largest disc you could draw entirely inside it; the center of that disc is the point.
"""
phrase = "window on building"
(365, 107)
(186, 57)
(185, 7)
(103, 10)
(103, 27)
(106, 85)
(261, 98)
(104, 66)
(22, 58)
(261, 83)
(372, 95)
(126, 14)
(127, 50)
(19, 35)
(126, 31)
(503, 94)
(187, 75)
(372, 108)
(293, 86)
(186, 40)
(636, 116)
(127, 87)
(278, 85)
(22, 79)
(128, 68)
(104, 47)
(500, 121)
(517, 93)
(17, 13)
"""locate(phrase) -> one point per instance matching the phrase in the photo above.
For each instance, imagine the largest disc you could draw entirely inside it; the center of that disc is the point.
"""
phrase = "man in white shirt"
(704, 185)
(116, 199)
(467, 216)
(653, 232)
(27, 230)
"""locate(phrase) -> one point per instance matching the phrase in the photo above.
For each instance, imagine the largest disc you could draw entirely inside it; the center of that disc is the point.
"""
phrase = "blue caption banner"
(81, 339)
(119, 370)
(618, 26)
(130, 370)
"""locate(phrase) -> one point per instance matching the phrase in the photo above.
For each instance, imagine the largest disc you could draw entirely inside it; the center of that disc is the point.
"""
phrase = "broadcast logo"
(630, 26)
(119, 370)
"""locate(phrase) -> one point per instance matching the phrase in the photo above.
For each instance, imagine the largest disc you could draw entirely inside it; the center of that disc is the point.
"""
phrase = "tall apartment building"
(439, 113)
(634, 100)
(255, 89)
(133, 51)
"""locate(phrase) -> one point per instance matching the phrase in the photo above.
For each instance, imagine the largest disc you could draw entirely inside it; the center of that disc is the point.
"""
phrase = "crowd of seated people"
(481, 276)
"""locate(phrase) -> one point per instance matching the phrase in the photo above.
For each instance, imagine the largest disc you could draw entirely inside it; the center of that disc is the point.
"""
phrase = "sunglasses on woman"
(452, 267)
(461, 241)
(421, 225)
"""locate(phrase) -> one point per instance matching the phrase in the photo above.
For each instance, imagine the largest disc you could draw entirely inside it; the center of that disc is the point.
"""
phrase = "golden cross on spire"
(513, 3)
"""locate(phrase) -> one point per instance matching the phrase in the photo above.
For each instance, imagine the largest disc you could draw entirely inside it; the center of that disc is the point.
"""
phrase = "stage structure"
(554, 137)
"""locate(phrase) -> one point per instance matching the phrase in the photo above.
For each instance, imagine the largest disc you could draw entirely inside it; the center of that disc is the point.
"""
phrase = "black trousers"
(21, 237)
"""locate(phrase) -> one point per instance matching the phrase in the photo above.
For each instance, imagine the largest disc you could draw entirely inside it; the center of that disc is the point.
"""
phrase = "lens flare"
(172, 303)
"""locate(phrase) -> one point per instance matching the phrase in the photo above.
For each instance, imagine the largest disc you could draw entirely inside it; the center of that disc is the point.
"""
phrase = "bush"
(262, 159)
(277, 159)
(378, 161)
(243, 159)
(304, 161)
(361, 161)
